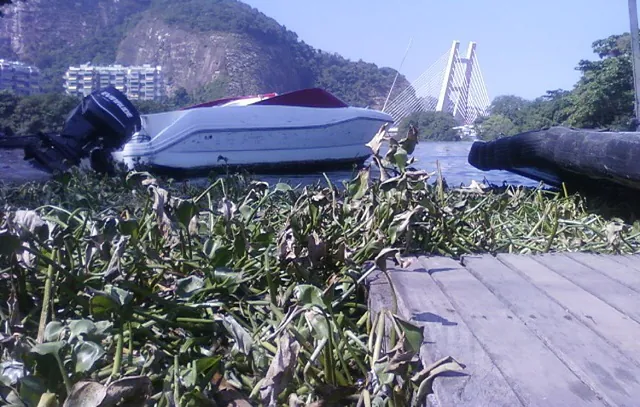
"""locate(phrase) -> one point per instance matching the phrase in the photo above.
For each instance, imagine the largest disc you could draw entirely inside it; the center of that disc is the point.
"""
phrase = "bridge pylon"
(452, 84)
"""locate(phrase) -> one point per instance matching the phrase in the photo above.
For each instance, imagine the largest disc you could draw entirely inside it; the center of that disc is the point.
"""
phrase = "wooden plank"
(610, 268)
(380, 298)
(607, 370)
(446, 334)
(629, 260)
(611, 291)
(535, 373)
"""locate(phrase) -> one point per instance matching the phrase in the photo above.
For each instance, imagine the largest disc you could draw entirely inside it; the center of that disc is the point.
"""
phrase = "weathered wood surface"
(552, 330)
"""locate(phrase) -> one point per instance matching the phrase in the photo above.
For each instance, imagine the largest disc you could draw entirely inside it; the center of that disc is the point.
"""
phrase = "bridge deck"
(552, 330)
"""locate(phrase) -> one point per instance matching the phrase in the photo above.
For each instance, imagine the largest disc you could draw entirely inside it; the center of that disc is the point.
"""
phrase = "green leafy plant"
(152, 291)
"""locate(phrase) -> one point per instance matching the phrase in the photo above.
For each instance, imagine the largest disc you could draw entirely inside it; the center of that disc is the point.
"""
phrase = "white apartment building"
(19, 77)
(143, 82)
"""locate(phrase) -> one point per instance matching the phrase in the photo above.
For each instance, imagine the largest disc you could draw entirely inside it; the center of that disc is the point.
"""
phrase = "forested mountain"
(210, 48)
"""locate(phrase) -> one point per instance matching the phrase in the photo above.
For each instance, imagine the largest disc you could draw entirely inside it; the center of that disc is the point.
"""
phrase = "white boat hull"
(253, 136)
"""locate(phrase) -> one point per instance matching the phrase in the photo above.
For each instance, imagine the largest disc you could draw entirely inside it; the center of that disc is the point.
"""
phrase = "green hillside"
(359, 83)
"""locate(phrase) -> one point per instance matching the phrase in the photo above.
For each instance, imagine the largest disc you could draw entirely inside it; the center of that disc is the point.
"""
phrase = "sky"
(524, 47)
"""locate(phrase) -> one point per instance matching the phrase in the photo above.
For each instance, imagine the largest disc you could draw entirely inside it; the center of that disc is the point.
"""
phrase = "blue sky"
(525, 47)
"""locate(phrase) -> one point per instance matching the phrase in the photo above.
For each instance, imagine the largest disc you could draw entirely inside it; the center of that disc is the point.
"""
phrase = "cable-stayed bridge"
(453, 84)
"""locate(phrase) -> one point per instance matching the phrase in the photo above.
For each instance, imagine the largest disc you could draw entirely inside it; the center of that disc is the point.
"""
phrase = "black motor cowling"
(104, 121)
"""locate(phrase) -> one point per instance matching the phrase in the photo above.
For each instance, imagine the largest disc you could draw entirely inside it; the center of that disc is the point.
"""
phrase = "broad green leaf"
(400, 157)
(358, 186)
(217, 252)
(319, 324)
(208, 366)
(101, 305)
(386, 378)
(48, 348)
(102, 327)
(186, 287)
(401, 222)
(189, 375)
(122, 297)
(87, 353)
(81, 327)
(53, 331)
(224, 274)
(309, 295)
(282, 187)
(413, 334)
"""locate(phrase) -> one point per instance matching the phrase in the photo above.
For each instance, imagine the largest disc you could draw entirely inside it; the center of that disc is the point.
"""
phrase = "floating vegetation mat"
(135, 291)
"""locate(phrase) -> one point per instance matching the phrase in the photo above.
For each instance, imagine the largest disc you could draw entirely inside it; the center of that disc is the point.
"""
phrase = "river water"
(452, 157)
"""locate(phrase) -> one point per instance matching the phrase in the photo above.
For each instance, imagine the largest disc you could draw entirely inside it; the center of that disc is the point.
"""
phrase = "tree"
(433, 126)
(30, 114)
(510, 106)
(495, 126)
(602, 98)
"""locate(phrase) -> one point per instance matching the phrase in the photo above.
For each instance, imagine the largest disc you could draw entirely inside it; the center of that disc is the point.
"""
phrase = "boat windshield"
(244, 102)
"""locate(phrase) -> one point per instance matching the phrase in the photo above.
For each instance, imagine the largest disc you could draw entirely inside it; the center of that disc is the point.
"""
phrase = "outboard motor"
(103, 122)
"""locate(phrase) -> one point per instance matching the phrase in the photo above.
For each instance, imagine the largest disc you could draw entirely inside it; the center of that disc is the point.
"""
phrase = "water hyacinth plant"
(131, 290)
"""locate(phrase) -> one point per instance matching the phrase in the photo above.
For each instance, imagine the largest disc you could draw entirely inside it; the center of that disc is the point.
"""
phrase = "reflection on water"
(452, 157)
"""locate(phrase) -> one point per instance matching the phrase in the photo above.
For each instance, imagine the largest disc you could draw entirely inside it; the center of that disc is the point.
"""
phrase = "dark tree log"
(581, 158)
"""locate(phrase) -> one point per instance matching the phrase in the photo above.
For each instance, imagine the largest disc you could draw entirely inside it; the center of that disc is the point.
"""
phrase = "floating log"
(577, 157)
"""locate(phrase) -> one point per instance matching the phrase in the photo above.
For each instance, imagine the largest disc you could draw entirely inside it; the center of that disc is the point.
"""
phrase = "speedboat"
(305, 129)
(309, 128)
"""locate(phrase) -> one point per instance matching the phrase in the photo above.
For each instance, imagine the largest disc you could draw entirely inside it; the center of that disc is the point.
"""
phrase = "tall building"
(143, 82)
(19, 77)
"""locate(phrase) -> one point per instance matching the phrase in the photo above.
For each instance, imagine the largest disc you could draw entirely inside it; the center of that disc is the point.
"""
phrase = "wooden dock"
(542, 330)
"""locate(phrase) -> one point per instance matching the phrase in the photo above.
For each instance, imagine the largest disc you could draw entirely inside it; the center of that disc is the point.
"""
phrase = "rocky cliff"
(223, 46)
(193, 59)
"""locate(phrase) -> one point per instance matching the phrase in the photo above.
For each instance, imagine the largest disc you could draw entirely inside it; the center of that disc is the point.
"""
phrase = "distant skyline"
(524, 48)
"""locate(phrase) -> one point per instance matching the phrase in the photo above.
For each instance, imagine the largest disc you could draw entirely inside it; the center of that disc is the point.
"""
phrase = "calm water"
(451, 155)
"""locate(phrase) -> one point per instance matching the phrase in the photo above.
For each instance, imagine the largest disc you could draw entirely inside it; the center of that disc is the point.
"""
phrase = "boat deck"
(541, 330)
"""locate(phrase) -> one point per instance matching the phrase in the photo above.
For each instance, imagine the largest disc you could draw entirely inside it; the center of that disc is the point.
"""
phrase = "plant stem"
(46, 300)
(115, 373)
(65, 378)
